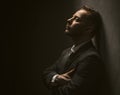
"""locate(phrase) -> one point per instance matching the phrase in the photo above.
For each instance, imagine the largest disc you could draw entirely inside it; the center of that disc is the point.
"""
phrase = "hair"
(93, 17)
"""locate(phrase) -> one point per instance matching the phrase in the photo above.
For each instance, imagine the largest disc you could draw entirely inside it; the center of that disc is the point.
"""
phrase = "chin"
(67, 32)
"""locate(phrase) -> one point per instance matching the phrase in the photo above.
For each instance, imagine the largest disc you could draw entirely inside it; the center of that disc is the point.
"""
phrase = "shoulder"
(92, 52)
(90, 56)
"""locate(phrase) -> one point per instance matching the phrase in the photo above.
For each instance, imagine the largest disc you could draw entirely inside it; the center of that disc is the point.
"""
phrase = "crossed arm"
(82, 71)
(61, 79)
(66, 82)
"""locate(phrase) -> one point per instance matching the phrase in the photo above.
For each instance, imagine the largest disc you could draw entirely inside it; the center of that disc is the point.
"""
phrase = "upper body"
(78, 69)
(85, 79)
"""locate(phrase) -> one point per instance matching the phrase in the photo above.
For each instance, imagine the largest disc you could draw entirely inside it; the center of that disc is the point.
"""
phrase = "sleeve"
(84, 76)
(54, 78)
(48, 75)
(50, 72)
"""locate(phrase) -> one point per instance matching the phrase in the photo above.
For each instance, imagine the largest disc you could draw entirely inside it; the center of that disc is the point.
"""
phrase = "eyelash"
(77, 19)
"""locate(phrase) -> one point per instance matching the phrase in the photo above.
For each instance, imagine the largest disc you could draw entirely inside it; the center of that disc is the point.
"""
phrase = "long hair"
(94, 18)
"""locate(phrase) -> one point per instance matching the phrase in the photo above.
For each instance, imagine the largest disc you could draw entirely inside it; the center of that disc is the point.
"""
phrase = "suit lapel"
(74, 57)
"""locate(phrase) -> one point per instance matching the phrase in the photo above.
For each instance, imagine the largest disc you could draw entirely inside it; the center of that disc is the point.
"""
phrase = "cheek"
(76, 26)
(77, 29)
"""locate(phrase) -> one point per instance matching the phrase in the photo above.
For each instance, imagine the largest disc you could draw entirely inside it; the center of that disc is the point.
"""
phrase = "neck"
(79, 40)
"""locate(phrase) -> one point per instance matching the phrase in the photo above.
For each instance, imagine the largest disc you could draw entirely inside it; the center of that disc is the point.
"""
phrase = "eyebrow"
(75, 16)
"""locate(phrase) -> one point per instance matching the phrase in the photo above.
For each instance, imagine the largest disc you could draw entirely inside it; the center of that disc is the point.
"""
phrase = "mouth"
(67, 27)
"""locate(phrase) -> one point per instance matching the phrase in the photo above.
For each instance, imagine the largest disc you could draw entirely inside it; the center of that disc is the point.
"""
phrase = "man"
(78, 70)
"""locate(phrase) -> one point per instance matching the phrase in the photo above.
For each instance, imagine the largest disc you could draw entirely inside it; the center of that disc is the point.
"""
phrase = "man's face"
(76, 25)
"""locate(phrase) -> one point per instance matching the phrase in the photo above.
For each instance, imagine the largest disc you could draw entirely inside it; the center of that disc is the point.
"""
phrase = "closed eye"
(77, 19)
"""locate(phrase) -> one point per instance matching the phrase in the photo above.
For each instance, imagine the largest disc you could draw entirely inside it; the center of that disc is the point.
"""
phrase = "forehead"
(80, 13)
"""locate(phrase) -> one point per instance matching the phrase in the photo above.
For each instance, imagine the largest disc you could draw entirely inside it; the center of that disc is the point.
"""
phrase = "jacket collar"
(74, 48)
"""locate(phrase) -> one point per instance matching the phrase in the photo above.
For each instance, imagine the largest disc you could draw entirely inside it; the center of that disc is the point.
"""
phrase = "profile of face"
(77, 25)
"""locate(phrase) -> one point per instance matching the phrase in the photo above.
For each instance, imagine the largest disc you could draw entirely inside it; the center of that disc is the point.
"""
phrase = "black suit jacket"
(87, 77)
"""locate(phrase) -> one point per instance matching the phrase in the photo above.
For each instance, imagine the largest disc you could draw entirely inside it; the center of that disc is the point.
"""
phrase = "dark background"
(32, 38)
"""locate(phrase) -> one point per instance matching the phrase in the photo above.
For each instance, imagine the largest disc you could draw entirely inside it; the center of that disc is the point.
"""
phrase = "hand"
(69, 72)
(64, 78)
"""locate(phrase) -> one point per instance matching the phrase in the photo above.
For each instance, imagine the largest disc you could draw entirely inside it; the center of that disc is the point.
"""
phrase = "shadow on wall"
(101, 44)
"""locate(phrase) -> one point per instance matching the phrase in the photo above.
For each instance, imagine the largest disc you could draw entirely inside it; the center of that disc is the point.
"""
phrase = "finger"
(64, 78)
(70, 71)
(67, 76)
(67, 79)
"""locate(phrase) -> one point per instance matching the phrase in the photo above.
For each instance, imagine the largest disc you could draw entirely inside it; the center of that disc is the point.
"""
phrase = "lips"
(67, 27)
